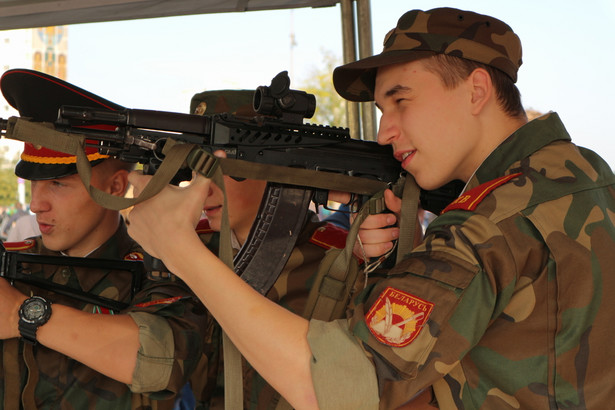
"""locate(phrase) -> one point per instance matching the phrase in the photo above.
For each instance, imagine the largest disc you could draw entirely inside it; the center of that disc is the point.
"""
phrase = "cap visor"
(355, 81)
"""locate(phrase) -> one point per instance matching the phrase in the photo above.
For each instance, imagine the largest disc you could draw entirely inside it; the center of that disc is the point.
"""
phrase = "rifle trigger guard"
(202, 162)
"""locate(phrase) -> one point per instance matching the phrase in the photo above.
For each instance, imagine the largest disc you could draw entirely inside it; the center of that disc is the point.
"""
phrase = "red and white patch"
(134, 256)
(397, 317)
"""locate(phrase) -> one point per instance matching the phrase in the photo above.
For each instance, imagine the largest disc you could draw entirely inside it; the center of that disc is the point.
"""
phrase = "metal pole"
(350, 55)
(368, 109)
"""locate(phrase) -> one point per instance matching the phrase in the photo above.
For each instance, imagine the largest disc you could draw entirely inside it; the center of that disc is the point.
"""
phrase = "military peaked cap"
(39, 96)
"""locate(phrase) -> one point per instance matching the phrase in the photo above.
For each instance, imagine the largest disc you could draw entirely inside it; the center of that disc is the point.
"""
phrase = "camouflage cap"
(420, 34)
(236, 102)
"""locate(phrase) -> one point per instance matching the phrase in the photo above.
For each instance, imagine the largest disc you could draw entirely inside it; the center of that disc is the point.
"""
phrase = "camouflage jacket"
(290, 290)
(164, 310)
(505, 305)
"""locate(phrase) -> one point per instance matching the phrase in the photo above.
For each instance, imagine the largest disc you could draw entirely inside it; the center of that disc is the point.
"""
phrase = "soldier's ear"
(118, 183)
(482, 89)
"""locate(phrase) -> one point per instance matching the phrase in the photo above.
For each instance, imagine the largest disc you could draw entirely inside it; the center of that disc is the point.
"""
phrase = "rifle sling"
(338, 271)
(233, 374)
(301, 177)
(408, 216)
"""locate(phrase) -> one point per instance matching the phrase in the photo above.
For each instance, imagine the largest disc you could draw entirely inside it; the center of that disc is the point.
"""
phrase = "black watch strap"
(28, 332)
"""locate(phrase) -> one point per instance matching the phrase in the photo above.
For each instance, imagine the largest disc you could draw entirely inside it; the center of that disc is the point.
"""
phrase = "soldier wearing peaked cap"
(507, 302)
(294, 283)
(80, 354)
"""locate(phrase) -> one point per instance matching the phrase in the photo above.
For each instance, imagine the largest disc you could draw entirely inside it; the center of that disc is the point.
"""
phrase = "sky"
(161, 63)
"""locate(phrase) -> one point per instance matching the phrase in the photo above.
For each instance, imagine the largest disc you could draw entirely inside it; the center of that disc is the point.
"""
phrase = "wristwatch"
(34, 312)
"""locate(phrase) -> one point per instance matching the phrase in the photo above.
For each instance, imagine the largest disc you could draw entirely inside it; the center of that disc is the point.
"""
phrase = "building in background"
(43, 49)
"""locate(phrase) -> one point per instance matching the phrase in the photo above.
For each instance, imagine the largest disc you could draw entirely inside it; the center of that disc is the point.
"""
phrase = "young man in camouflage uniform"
(505, 305)
(291, 288)
(85, 354)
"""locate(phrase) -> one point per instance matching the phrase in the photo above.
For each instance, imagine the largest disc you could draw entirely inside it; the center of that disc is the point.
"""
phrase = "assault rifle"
(22, 267)
(301, 161)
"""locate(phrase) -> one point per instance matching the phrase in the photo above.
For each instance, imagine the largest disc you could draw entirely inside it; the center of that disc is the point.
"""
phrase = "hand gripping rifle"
(301, 161)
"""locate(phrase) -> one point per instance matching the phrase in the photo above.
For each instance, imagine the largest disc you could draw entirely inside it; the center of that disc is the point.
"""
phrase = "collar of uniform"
(522, 143)
(109, 250)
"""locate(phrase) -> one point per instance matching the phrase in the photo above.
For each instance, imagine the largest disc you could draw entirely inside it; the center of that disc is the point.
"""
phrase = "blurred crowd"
(17, 223)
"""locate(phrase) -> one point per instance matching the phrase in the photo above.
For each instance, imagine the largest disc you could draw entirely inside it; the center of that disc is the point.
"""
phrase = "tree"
(330, 107)
(8, 180)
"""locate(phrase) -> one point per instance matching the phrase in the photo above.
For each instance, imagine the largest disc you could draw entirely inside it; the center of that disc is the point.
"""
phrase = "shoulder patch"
(397, 317)
(19, 246)
(203, 227)
(134, 256)
(470, 200)
(329, 236)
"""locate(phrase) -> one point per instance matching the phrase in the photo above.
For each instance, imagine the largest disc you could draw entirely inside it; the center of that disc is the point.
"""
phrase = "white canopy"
(355, 21)
(16, 14)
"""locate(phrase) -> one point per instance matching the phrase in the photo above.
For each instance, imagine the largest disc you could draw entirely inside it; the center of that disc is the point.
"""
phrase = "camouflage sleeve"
(420, 319)
(155, 355)
(172, 323)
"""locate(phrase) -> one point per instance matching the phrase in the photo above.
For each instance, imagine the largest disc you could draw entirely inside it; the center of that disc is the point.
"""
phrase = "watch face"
(34, 310)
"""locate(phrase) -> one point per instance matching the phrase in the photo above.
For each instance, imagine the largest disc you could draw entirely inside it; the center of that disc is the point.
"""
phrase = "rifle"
(301, 161)
(14, 266)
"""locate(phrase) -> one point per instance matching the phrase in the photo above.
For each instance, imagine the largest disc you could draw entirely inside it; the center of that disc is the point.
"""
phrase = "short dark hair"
(112, 165)
(452, 70)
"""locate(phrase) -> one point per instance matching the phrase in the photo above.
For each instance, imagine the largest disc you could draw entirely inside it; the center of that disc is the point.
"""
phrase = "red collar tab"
(470, 200)
(19, 246)
(329, 236)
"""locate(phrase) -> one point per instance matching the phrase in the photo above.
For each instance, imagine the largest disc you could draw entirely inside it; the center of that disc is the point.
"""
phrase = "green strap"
(299, 176)
(233, 374)
(338, 271)
(174, 160)
(408, 220)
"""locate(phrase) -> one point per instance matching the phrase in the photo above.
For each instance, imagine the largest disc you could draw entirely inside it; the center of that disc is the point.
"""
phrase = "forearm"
(105, 343)
(270, 337)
